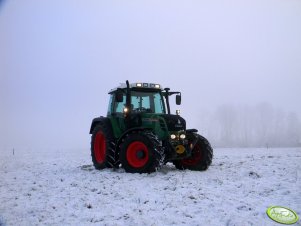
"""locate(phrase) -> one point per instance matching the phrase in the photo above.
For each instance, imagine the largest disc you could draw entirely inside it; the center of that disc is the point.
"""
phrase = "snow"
(40, 187)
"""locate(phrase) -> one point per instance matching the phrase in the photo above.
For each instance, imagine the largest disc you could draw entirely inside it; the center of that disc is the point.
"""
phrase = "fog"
(237, 64)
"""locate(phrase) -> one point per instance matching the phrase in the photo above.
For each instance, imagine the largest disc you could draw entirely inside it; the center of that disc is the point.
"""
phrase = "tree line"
(261, 125)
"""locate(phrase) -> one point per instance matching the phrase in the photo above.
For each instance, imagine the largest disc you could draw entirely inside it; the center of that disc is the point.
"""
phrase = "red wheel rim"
(100, 147)
(195, 158)
(137, 154)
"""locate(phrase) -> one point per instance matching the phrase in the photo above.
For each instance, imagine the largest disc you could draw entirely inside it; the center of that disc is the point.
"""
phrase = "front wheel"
(201, 158)
(141, 153)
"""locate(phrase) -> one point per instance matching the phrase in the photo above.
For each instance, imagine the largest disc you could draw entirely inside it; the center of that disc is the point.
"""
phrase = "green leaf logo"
(282, 215)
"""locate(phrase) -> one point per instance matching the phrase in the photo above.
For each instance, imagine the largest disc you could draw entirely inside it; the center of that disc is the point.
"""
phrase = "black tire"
(141, 152)
(201, 158)
(103, 146)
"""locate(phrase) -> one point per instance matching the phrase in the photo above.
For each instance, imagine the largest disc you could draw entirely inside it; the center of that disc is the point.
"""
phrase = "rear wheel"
(201, 158)
(102, 146)
(141, 153)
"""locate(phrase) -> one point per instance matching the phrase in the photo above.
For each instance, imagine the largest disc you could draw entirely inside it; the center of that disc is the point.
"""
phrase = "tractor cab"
(143, 97)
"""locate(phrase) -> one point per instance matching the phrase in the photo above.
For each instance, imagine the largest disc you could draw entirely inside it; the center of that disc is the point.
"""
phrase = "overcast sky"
(58, 60)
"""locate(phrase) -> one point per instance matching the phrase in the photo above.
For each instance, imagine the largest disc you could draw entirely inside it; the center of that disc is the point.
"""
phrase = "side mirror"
(178, 99)
(119, 96)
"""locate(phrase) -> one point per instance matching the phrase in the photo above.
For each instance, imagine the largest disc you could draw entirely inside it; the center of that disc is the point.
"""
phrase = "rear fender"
(96, 121)
(130, 131)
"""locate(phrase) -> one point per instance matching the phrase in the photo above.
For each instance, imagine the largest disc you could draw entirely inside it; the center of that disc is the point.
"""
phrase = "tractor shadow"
(87, 167)
(164, 169)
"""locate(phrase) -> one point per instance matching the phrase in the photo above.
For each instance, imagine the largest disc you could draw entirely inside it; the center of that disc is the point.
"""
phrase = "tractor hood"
(174, 122)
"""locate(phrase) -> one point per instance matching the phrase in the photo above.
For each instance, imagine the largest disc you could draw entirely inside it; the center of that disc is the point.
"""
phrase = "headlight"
(182, 136)
(125, 110)
(173, 136)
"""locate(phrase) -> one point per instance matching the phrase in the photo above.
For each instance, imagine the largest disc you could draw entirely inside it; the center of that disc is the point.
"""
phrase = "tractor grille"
(174, 122)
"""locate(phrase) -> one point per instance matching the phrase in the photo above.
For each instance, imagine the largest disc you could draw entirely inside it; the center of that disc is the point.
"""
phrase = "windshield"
(150, 102)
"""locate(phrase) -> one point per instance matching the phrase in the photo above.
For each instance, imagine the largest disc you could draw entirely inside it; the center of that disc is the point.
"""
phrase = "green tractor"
(140, 134)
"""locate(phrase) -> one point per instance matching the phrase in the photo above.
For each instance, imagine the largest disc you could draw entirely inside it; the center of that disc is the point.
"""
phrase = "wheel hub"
(140, 154)
(137, 154)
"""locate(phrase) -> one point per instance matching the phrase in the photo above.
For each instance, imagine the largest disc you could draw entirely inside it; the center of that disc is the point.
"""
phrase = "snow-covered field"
(62, 188)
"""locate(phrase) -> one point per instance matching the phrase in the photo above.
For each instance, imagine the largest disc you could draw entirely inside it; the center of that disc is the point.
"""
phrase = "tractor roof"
(139, 85)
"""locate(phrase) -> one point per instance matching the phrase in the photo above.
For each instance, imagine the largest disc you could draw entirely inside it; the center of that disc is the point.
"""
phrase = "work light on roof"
(156, 86)
(148, 85)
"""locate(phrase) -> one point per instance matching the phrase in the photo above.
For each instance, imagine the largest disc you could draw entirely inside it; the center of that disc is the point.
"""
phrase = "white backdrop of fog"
(237, 63)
